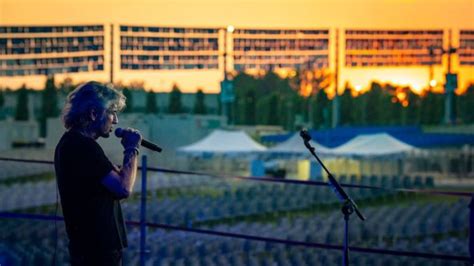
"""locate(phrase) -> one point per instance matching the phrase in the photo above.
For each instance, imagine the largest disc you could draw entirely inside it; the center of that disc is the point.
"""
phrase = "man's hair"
(86, 97)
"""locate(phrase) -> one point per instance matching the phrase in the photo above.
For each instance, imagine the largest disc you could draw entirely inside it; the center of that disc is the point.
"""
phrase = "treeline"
(271, 100)
(48, 107)
(52, 96)
(175, 102)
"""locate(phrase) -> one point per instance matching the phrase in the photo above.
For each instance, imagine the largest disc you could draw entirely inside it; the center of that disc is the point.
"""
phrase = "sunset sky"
(372, 14)
(252, 13)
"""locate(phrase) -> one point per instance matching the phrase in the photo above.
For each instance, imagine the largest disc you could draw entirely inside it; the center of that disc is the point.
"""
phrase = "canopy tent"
(225, 143)
(294, 146)
(381, 144)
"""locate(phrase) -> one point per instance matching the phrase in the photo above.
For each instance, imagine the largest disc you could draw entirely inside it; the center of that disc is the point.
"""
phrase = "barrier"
(142, 222)
(274, 180)
(252, 237)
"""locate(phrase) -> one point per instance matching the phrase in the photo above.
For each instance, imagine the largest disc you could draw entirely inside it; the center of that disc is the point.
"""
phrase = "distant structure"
(466, 48)
(46, 50)
(366, 48)
(168, 48)
(192, 56)
(280, 48)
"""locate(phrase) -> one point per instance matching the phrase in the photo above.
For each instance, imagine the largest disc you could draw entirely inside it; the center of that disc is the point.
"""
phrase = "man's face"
(105, 122)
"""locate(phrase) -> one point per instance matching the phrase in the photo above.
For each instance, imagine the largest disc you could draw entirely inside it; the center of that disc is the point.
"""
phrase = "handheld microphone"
(145, 143)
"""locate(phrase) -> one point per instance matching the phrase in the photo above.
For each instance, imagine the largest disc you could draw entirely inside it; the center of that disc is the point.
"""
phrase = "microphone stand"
(348, 205)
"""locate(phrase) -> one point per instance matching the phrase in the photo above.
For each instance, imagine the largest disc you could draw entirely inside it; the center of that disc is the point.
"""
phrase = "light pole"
(335, 102)
(451, 79)
(450, 85)
(227, 89)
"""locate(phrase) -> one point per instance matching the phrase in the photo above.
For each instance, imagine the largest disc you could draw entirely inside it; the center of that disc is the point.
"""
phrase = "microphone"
(305, 135)
(145, 143)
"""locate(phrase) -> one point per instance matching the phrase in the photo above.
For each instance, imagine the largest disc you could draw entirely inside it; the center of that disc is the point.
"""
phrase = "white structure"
(169, 131)
(294, 146)
(17, 131)
(225, 143)
(372, 145)
(194, 57)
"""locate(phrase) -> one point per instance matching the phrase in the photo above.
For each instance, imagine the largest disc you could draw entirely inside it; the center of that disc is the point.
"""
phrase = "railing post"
(143, 213)
(471, 229)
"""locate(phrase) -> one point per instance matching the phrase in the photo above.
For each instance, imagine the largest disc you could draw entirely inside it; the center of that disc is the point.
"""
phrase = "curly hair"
(90, 96)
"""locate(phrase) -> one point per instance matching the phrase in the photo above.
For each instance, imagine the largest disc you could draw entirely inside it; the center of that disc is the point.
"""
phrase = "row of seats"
(25, 242)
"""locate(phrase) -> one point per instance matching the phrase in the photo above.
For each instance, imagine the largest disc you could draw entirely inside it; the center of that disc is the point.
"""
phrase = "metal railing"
(143, 224)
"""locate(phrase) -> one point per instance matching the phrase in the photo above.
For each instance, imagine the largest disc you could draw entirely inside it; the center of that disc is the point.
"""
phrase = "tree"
(311, 81)
(21, 112)
(308, 83)
(49, 107)
(272, 117)
(246, 95)
(465, 104)
(288, 101)
(268, 100)
(411, 111)
(128, 94)
(431, 108)
(378, 101)
(360, 111)
(175, 105)
(66, 86)
(2, 98)
(263, 115)
(273, 97)
(50, 99)
(249, 107)
(394, 107)
(297, 109)
(151, 106)
(321, 111)
(347, 106)
(199, 104)
(268, 83)
(2, 103)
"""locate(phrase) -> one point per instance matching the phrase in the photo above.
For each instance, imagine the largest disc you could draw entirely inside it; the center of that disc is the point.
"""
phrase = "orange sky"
(254, 13)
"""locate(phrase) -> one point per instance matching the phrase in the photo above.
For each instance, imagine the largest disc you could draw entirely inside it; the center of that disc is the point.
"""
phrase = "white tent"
(224, 142)
(294, 146)
(381, 144)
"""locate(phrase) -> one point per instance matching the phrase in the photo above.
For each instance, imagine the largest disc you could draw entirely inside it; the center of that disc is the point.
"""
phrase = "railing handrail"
(276, 180)
(253, 237)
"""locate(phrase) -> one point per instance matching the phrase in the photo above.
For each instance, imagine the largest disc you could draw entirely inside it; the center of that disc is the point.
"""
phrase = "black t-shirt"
(92, 214)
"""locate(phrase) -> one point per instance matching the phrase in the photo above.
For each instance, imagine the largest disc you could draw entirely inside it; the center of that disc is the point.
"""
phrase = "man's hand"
(131, 138)
(121, 182)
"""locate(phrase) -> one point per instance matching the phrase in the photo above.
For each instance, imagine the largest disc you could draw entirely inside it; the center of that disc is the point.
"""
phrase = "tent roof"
(295, 146)
(224, 142)
(381, 144)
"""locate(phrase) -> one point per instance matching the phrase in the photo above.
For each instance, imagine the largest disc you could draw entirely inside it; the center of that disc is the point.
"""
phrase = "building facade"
(280, 48)
(49, 50)
(197, 57)
(466, 48)
(392, 47)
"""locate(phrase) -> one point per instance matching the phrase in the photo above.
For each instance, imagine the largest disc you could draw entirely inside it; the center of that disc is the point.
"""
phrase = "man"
(90, 186)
